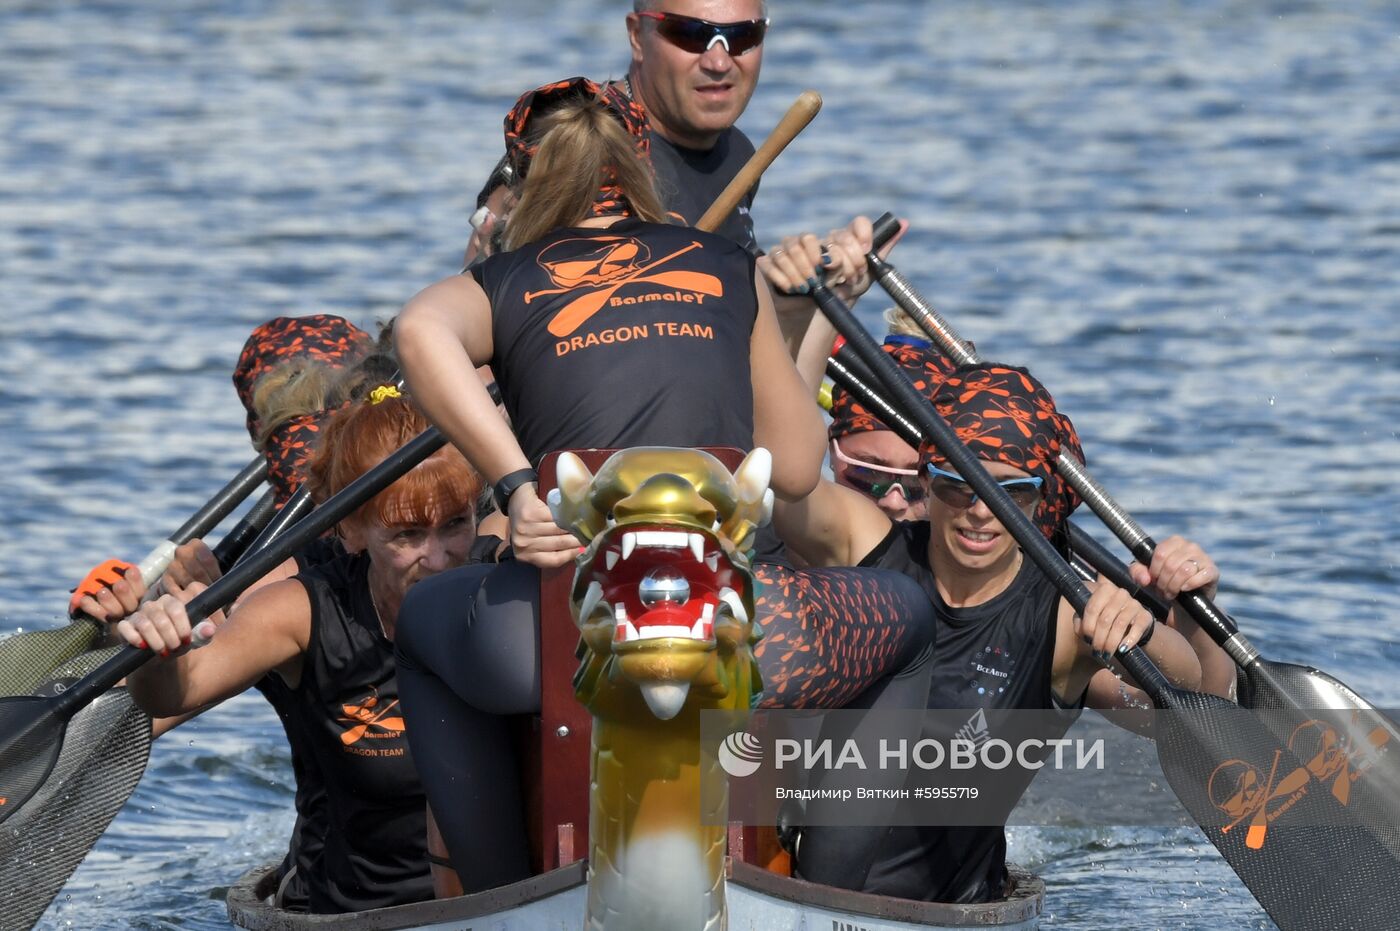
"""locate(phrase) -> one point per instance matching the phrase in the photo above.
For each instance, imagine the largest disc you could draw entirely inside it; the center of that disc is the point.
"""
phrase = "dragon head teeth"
(591, 599)
(731, 598)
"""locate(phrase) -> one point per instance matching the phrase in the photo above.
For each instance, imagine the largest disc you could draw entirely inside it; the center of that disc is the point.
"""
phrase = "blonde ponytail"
(582, 148)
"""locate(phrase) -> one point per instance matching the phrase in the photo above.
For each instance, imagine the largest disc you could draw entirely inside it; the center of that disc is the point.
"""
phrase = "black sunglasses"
(698, 36)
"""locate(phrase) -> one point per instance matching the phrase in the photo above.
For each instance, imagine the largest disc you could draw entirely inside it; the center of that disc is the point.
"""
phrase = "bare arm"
(786, 421)
(270, 631)
(441, 336)
(812, 351)
(833, 526)
(443, 333)
(1112, 621)
(193, 569)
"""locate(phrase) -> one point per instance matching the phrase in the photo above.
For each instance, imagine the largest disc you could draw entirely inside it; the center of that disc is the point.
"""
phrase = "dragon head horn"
(569, 502)
(755, 501)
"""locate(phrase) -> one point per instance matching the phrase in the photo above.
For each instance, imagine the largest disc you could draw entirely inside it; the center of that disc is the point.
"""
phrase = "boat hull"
(555, 901)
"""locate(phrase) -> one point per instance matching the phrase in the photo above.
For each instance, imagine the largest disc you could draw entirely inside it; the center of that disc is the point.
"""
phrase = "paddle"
(1284, 687)
(239, 540)
(27, 659)
(32, 727)
(803, 110)
(102, 760)
(1303, 856)
(297, 507)
(847, 371)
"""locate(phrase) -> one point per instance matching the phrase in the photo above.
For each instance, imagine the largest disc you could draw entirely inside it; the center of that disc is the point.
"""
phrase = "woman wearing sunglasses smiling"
(1005, 639)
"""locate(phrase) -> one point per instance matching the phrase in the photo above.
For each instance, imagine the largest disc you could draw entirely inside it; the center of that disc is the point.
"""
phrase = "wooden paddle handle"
(807, 105)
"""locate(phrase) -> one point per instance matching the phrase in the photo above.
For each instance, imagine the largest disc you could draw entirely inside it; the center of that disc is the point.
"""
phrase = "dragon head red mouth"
(663, 592)
(651, 581)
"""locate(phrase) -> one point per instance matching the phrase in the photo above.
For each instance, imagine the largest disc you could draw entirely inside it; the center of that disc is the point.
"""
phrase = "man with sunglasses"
(1004, 639)
(695, 64)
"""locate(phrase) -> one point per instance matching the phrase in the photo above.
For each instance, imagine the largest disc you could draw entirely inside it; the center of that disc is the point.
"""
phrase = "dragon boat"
(652, 628)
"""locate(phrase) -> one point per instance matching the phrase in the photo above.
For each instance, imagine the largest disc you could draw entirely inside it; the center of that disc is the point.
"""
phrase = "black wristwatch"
(509, 484)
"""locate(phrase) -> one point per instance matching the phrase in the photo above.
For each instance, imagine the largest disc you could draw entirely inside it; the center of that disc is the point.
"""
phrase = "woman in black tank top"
(1005, 637)
(326, 636)
(606, 327)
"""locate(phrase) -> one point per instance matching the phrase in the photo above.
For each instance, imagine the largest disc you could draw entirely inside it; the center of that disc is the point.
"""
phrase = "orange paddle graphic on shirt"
(613, 269)
(368, 717)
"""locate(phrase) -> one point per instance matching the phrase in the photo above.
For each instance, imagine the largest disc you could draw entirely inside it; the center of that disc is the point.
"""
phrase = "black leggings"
(467, 644)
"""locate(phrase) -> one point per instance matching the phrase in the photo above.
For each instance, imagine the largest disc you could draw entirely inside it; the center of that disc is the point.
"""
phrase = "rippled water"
(1184, 216)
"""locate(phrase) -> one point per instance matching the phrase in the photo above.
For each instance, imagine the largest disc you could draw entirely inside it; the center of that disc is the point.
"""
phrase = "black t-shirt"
(375, 834)
(689, 181)
(998, 654)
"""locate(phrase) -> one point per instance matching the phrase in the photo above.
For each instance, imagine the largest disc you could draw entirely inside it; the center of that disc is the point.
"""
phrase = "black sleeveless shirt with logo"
(634, 335)
(374, 843)
(998, 654)
(637, 334)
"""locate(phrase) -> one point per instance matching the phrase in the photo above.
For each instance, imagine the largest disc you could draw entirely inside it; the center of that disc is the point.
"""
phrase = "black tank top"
(628, 336)
(309, 831)
(375, 839)
(998, 654)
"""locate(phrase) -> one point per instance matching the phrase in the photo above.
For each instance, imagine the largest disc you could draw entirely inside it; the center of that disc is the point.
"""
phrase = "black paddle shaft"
(848, 372)
(225, 590)
(936, 429)
(237, 541)
(297, 507)
(1202, 610)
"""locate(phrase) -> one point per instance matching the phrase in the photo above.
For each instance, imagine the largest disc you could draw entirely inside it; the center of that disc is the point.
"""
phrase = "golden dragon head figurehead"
(663, 592)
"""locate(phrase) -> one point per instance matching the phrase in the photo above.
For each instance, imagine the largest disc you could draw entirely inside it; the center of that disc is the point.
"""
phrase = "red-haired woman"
(327, 634)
